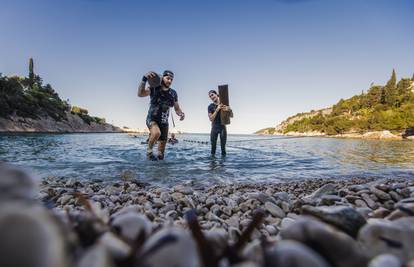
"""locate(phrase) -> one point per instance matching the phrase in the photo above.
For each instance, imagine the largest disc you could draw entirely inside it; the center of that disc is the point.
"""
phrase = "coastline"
(374, 135)
(57, 133)
(73, 124)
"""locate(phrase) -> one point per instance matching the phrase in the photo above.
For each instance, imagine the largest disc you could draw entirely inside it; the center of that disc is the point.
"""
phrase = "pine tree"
(31, 73)
(390, 90)
(392, 82)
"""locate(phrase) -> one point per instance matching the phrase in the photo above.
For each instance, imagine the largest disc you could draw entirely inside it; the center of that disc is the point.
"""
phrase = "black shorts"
(163, 129)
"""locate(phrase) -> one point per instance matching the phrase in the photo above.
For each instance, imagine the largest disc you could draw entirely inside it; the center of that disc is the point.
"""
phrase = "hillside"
(27, 105)
(389, 107)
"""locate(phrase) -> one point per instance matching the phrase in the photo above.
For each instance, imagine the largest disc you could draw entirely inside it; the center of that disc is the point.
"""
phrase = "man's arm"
(142, 90)
(178, 110)
(213, 115)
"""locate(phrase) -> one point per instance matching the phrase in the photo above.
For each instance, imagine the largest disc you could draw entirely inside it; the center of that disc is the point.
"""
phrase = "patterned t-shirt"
(160, 103)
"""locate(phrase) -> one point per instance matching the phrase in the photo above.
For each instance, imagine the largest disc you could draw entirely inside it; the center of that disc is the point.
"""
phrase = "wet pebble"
(274, 210)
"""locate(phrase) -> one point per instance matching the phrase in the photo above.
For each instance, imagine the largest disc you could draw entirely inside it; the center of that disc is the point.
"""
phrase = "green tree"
(373, 96)
(31, 73)
(389, 96)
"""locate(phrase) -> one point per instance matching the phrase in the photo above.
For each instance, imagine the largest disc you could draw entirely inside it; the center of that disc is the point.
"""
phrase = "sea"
(250, 158)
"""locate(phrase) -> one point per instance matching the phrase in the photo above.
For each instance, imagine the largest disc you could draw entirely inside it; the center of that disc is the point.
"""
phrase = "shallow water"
(250, 158)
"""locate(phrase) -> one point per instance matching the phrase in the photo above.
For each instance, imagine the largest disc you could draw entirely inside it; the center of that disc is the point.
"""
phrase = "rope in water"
(263, 139)
(194, 141)
(245, 140)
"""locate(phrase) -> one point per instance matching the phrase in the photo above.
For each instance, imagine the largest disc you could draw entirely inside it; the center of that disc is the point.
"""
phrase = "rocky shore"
(73, 124)
(312, 223)
(376, 135)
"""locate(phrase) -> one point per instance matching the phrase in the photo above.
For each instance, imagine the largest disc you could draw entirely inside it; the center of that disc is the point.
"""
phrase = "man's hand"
(150, 75)
(223, 107)
(226, 108)
(182, 116)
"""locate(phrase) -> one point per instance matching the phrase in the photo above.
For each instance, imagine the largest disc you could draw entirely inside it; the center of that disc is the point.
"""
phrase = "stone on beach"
(275, 210)
(380, 213)
(95, 256)
(262, 197)
(293, 254)
(379, 193)
(383, 236)
(327, 200)
(336, 246)
(286, 222)
(15, 183)
(282, 196)
(371, 203)
(402, 210)
(171, 247)
(345, 218)
(30, 236)
(327, 189)
(186, 190)
(385, 260)
(130, 225)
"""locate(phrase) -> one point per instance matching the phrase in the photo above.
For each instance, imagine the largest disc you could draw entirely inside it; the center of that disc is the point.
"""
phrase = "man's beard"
(166, 86)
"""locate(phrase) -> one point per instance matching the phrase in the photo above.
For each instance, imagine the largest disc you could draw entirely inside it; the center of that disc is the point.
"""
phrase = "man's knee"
(156, 133)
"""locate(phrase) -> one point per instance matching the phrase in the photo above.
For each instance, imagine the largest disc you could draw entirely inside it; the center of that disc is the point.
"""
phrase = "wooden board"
(155, 81)
(224, 99)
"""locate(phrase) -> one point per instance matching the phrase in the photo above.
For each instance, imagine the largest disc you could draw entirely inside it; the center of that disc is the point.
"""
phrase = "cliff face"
(73, 124)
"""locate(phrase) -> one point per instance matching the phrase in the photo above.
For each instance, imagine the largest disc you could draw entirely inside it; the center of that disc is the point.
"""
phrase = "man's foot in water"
(150, 156)
(160, 157)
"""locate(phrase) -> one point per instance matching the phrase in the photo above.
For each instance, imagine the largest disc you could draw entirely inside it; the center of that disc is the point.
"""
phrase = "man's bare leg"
(161, 149)
(154, 135)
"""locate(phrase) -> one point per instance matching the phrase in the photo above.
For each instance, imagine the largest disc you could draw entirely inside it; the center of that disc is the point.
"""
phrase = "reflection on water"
(250, 158)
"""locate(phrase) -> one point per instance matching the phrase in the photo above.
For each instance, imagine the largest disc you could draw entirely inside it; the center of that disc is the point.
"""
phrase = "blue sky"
(279, 57)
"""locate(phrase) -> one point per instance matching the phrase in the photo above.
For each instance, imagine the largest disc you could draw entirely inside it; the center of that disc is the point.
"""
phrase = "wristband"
(144, 79)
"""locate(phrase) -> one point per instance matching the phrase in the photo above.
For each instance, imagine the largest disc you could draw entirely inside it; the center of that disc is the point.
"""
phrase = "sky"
(279, 57)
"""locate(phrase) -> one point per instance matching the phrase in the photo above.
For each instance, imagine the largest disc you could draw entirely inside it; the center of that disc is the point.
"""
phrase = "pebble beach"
(320, 222)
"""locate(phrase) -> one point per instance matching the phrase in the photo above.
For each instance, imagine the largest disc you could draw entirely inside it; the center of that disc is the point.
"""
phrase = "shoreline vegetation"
(312, 223)
(383, 112)
(374, 135)
(29, 105)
